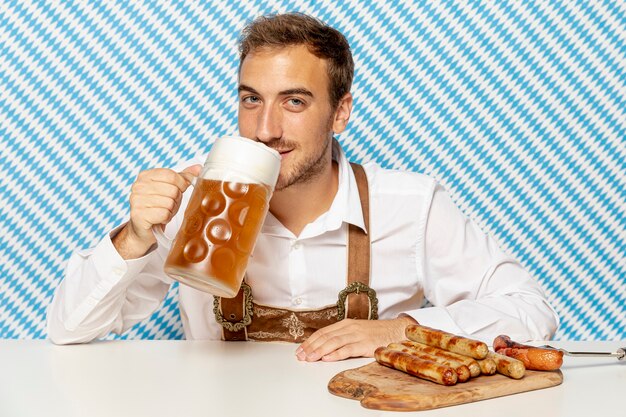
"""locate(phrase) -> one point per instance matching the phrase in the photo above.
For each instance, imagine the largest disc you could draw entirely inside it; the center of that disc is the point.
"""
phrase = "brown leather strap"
(358, 304)
(233, 310)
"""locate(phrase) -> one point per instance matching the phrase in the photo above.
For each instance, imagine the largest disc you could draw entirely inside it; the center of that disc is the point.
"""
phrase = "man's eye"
(296, 102)
(250, 99)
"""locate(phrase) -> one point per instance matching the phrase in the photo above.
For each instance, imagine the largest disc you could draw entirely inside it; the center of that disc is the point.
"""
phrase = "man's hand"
(155, 198)
(350, 338)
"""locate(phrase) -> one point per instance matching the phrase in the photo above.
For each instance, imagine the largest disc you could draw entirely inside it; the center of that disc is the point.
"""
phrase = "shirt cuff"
(437, 318)
(110, 264)
(114, 273)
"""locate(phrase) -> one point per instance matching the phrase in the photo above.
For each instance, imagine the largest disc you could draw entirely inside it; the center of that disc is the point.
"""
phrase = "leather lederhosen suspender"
(360, 302)
(356, 301)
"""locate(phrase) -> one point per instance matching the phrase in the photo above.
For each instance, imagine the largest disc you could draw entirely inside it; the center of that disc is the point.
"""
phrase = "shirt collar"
(346, 206)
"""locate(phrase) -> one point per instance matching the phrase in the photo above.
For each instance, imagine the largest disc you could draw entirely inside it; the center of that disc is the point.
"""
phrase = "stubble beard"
(309, 168)
(305, 170)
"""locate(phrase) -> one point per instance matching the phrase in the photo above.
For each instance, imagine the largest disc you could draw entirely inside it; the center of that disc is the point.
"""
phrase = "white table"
(187, 379)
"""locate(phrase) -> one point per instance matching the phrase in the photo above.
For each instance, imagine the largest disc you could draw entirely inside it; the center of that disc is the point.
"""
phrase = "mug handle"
(159, 235)
(162, 240)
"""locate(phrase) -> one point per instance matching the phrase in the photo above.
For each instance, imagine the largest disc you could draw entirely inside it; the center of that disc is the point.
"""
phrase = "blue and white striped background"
(518, 108)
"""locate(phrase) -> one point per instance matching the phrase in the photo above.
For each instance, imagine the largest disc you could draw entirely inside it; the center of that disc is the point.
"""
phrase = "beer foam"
(237, 158)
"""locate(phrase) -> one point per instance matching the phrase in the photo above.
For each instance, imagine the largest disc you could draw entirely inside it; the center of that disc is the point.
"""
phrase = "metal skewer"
(620, 353)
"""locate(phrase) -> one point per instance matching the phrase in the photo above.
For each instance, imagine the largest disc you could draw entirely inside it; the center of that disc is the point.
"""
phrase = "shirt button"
(297, 301)
(118, 271)
(296, 245)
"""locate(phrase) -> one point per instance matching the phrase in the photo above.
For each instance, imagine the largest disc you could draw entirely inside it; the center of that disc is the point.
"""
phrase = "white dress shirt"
(421, 246)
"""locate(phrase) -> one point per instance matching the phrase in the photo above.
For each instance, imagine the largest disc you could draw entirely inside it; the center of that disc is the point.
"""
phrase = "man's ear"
(342, 113)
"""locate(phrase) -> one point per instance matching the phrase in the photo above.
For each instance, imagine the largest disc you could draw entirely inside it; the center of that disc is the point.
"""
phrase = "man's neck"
(301, 204)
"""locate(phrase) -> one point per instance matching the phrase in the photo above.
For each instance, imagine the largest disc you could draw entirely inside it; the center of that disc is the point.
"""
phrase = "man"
(294, 95)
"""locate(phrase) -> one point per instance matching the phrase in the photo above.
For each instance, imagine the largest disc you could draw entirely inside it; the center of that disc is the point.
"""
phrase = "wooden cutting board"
(381, 388)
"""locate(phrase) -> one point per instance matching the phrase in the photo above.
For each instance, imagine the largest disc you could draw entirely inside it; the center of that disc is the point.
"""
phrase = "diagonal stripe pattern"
(518, 108)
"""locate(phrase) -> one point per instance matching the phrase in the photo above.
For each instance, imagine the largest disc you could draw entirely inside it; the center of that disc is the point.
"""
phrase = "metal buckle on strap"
(247, 317)
(357, 287)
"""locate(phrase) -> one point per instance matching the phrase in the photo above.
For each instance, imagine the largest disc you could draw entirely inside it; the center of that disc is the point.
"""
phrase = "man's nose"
(269, 124)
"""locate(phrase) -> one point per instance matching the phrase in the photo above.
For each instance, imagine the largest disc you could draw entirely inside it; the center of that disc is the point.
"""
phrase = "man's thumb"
(191, 172)
(194, 169)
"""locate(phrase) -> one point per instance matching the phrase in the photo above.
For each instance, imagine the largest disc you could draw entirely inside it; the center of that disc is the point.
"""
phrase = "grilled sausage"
(504, 341)
(487, 366)
(457, 344)
(507, 366)
(462, 371)
(412, 365)
(472, 364)
(534, 358)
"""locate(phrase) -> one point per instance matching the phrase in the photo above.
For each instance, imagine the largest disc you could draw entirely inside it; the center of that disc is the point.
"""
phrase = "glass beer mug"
(224, 216)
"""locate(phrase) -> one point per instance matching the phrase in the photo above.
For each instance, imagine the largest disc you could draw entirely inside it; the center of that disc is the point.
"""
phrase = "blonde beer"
(220, 228)
(224, 217)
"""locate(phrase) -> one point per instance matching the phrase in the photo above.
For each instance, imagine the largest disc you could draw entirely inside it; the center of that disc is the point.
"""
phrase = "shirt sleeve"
(103, 293)
(474, 287)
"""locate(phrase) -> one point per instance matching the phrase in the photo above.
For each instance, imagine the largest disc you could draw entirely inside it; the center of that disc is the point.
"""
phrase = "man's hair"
(292, 29)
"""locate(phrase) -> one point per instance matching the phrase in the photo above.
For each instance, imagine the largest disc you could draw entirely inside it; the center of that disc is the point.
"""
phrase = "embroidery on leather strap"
(295, 326)
(277, 324)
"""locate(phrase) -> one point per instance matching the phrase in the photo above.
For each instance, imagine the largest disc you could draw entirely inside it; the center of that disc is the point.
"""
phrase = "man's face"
(284, 103)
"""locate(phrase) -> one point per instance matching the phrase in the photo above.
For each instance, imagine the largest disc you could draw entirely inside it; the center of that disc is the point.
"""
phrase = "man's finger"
(160, 176)
(305, 347)
(329, 342)
(327, 345)
(348, 351)
(191, 172)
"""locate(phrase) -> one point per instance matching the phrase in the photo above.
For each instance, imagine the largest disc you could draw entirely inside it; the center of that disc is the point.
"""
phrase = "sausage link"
(534, 358)
(438, 338)
(508, 366)
(487, 366)
(471, 363)
(462, 371)
(420, 368)
(504, 341)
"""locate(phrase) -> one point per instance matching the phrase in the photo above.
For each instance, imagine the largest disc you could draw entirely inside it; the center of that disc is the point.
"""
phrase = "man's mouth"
(283, 153)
